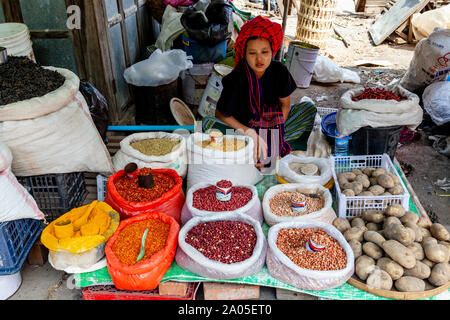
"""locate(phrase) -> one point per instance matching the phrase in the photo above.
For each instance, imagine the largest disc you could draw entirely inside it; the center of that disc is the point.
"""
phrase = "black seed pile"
(22, 79)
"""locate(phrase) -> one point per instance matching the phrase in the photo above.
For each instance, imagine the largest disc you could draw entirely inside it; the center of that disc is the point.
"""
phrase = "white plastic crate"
(101, 187)
(355, 206)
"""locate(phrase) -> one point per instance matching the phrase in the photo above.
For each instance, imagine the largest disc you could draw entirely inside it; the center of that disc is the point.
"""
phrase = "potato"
(357, 187)
(399, 253)
(358, 222)
(373, 181)
(350, 176)
(420, 271)
(439, 232)
(425, 232)
(341, 224)
(409, 284)
(379, 171)
(417, 231)
(428, 262)
(386, 194)
(395, 210)
(357, 172)
(373, 226)
(356, 247)
(394, 178)
(375, 216)
(364, 180)
(427, 240)
(355, 233)
(376, 190)
(436, 252)
(424, 223)
(348, 193)
(409, 216)
(417, 250)
(400, 233)
(385, 181)
(444, 243)
(342, 181)
(379, 279)
(396, 190)
(375, 237)
(391, 220)
(440, 274)
(391, 267)
(364, 265)
(368, 171)
(372, 250)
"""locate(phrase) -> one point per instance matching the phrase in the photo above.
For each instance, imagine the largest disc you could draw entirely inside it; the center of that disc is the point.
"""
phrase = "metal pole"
(283, 26)
(3, 55)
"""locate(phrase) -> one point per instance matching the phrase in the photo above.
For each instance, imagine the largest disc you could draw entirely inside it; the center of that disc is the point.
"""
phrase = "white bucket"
(194, 82)
(9, 285)
(213, 90)
(15, 37)
(300, 61)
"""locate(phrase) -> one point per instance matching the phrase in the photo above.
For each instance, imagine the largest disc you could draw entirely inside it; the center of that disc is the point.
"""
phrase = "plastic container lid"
(222, 69)
(181, 112)
(329, 124)
(10, 31)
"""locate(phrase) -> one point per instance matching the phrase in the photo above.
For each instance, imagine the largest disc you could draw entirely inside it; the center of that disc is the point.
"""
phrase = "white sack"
(436, 101)
(326, 71)
(16, 202)
(208, 165)
(430, 61)
(282, 268)
(190, 259)
(253, 208)
(291, 176)
(325, 215)
(176, 160)
(423, 24)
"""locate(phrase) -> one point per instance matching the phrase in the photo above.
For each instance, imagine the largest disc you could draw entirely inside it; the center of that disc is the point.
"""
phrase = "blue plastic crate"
(16, 239)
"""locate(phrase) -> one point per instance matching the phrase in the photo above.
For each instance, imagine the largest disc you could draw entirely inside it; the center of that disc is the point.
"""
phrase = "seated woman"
(256, 95)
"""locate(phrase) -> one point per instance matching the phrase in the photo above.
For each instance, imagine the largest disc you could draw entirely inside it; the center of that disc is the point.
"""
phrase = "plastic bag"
(176, 159)
(159, 69)
(326, 214)
(290, 175)
(282, 268)
(378, 113)
(67, 261)
(436, 101)
(16, 202)
(66, 232)
(193, 261)
(98, 107)
(210, 166)
(169, 203)
(252, 208)
(146, 274)
(177, 3)
(210, 27)
(423, 24)
(430, 62)
(326, 71)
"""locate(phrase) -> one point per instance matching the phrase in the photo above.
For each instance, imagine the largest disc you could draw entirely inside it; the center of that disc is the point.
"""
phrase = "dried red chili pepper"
(377, 93)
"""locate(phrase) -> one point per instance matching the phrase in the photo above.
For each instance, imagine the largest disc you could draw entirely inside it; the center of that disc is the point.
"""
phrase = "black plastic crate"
(56, 194)
(17, 237)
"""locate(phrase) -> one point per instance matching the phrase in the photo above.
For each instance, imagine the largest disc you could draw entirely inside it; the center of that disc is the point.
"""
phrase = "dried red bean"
(224, 241)
(224, 184)
(205, 199)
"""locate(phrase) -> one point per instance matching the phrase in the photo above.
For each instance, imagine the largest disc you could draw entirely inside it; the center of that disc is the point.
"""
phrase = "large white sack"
(423, 24)
(326, 71)
(176, 160)
(290, 175)
(16, 202)
(378, 113)
(207, 165)
(253, 208)
(282, 268)
(430, 61)
(436, 101)
(325, 215)
(62, 138)
(190, 259)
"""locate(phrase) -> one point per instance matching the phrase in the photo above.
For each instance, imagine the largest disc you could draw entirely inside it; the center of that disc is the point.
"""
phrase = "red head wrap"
(262, 28)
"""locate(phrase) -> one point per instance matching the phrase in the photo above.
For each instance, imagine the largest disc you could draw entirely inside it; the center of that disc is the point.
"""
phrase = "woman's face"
(258, 55)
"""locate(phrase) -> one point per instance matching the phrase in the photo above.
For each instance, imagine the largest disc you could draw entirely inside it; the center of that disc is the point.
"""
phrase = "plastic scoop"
(142, 252)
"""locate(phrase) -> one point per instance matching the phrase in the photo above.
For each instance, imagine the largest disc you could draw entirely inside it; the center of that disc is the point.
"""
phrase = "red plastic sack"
(146, 274)
(169, 203)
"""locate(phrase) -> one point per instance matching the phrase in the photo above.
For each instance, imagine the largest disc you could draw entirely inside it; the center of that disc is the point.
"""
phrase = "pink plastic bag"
(177, 3)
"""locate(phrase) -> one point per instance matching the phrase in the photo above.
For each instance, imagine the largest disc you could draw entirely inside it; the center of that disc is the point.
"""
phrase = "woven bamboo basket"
(314, 22)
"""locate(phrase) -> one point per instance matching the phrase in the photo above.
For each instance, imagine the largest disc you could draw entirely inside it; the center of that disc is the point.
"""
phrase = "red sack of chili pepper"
(123, 249)
(127, 198)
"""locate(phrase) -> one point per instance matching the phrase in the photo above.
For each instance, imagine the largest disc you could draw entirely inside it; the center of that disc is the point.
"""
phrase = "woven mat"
(261, 278)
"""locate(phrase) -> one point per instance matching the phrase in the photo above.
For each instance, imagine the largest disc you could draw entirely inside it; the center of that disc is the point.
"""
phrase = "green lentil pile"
(155, 146)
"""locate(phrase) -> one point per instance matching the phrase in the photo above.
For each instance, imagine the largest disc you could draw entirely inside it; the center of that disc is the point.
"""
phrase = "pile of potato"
(396, 248)
(369, 182)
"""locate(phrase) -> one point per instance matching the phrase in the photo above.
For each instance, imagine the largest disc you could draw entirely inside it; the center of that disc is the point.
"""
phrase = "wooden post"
(12, 11)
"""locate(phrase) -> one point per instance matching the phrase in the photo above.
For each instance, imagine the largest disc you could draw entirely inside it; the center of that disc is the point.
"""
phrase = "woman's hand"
(259, 145)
